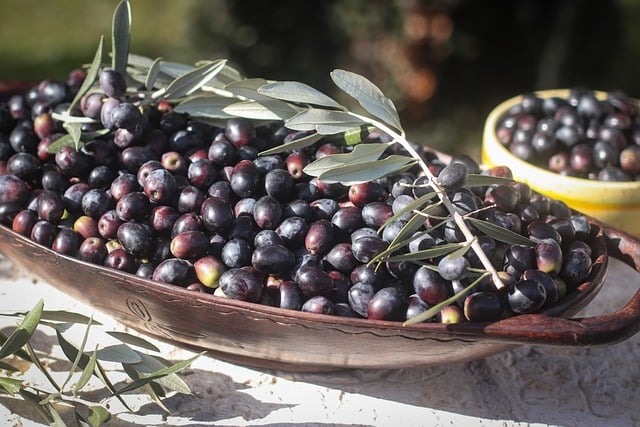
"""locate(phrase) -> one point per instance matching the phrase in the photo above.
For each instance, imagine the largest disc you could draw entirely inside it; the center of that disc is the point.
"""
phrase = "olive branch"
(212, 91)
(151, 373)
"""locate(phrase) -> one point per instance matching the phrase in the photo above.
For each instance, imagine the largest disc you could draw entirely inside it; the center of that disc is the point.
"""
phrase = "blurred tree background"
(445, 63)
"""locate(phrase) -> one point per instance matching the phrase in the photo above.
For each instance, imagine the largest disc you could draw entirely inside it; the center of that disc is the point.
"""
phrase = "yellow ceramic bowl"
(615, 203)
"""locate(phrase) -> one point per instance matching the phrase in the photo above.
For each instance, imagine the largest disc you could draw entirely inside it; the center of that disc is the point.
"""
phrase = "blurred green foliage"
(445, 63)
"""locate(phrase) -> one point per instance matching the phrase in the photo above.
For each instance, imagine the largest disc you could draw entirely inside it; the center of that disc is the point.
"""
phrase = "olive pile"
(175, 200)
(580, 136)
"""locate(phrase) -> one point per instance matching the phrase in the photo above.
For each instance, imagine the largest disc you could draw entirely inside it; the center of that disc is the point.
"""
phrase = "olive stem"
(459, 219)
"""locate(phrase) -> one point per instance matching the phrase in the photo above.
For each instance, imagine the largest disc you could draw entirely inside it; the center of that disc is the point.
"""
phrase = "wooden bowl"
(274, 338)
(269, 337)
(616, 203)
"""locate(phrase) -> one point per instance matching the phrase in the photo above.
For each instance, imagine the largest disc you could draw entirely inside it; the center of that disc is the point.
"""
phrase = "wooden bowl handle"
(597, 330)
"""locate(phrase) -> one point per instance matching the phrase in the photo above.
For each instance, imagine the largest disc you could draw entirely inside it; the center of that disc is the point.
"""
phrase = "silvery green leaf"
(228, 75)
(464, 248)
(72, 353)
(10, 385)
(139, 61)
(176, 69)
(356, 135)
(67, 118)
(332, 129)
(500, 233)
(87, 372)
(67, 316)
(20, 353)
(428, 314)
(296, 144)
(298, 92)
(119, 353)
(248, 89)
(58, 421)
(150, 364)
(98, 416)
(153, 74)
(75, 131)
(315, 118)
(271, 109)
(121, 36)
(23, 332)
(436, 251)
(190, 82)
(158, 374)
(92, 74)
(205, 106)
(408, 232)
(366, 171)
(133, 340)
(79, 354)
(368, 95)
(415, 205)
(361, 153)
(478, 180)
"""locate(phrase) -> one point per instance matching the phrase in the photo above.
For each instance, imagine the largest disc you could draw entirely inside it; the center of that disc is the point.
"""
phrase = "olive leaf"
(118, 353)
(90, 78)
(75, 131)
(205, 106)
(261, 110)
(362, 153)
(406, 233)
(87, 372)
(57, 418)
(176, 69)
(500, 233)
(416, 204)
(64, 141)
(140, 62)
(356, 173)
(247, 89)
(355, 136)
(68, 316)
(226, 76)
(368, 95)
(77, 359)
(464, 248)
(98, 416)
(193, 80)
(479, 180)
(325, 122)
(67, 118)
(71, 352)
(36, 361)
(295, 144)
(297, 92)
(120, 37)
(429, 313)
(146, 379)
(436, 251)
(150, 364)
(11, 385)
(133, 340)
(23, 332)
(153, 73)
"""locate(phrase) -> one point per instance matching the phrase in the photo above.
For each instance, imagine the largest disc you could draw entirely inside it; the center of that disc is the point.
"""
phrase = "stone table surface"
(530, 385)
